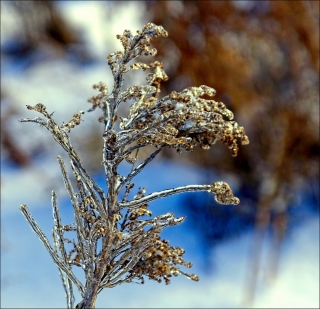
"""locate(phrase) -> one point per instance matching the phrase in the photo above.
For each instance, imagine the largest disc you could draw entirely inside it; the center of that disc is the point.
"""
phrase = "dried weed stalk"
(115, 242)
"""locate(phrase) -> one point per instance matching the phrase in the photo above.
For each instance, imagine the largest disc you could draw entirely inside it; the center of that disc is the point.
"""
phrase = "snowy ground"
(28, 276)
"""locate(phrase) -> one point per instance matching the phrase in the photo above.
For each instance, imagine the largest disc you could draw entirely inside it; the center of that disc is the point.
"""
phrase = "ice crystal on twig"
(130, 244)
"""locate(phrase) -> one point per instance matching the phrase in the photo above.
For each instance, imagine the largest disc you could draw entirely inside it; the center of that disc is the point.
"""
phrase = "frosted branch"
(56, 259)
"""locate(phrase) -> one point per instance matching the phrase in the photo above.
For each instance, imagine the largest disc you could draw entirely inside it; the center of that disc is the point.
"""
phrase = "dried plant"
(115, 242)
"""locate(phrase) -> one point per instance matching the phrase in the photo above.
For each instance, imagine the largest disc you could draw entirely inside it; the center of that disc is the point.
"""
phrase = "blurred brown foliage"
(264, 61)
(262, 57)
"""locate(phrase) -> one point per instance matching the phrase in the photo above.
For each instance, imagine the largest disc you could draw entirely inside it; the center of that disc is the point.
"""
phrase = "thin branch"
(58, 237)
(112, 285)
(79, 225)
(67, 285)
(88, 185)
(129, 150)
(155, 195)
(86, 177)
(62, 138)
(139, 168)
(56, 259)
(58, 227)
(132, 262)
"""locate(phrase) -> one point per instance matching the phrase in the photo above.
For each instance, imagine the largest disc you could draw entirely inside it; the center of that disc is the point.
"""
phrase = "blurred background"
(262, 57)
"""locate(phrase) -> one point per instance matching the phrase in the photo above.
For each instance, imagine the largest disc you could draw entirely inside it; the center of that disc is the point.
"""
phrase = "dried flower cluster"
(114, 240)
